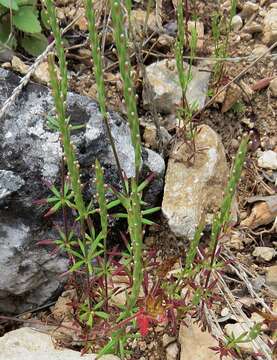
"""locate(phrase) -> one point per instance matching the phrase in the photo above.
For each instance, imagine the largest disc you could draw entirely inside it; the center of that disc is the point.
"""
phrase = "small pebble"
(249, 8)
(268, 160)
(167, 339)
(264, 252)
(237, 23)
(142, 345)
(172, 351)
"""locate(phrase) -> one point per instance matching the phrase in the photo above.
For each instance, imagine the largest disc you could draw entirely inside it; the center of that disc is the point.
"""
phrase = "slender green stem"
(135, 228)
(132, 203)
(52, 19)
(64, 128)
(98, 70)
(128, 86)
(100, 187)
(221, 220)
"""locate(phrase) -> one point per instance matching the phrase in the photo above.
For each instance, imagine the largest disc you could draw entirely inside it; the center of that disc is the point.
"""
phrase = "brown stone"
(193, 189)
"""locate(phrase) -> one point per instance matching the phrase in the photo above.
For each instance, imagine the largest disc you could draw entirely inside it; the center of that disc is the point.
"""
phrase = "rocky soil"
(30, 154)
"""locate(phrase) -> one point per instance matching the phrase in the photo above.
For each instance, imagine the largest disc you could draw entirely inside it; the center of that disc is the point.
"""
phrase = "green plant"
(128, 88)
(221, 220)
(208, 261)
(230, 347)
(131, 204)
(83, 236)
(185, 76)
(86, 245)
(20, 24)
(221, 29)
(87, 248)
(238, 108)
(130, 200)
(99, 77)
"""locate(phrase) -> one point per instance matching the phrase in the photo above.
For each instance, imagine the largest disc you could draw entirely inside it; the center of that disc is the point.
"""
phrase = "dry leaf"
(220, 98)
(19, 66)
(263, 213)
(166, 266)
(138, 18)
(155, 307)
(270, 200)
(63, 309)
(41, 74)
(233, 94)
(247, 91)
(261, 84)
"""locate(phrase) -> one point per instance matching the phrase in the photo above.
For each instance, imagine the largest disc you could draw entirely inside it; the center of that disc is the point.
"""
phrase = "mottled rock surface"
(9, 183)
(28, 344)
(30, 158)
(164, 80)
(191, 189)
(29, 275)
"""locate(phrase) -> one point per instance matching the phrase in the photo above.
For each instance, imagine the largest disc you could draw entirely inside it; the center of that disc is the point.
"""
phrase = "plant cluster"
(21, 24)
(185, 75)
(221, 29)
(187, 38)
(152, 293)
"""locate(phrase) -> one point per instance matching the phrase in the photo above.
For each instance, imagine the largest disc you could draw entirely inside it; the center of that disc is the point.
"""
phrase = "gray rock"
(29, 344)
(6, 53)
(29, 275)
(164, 80)
(9, 183)
(30, 159)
